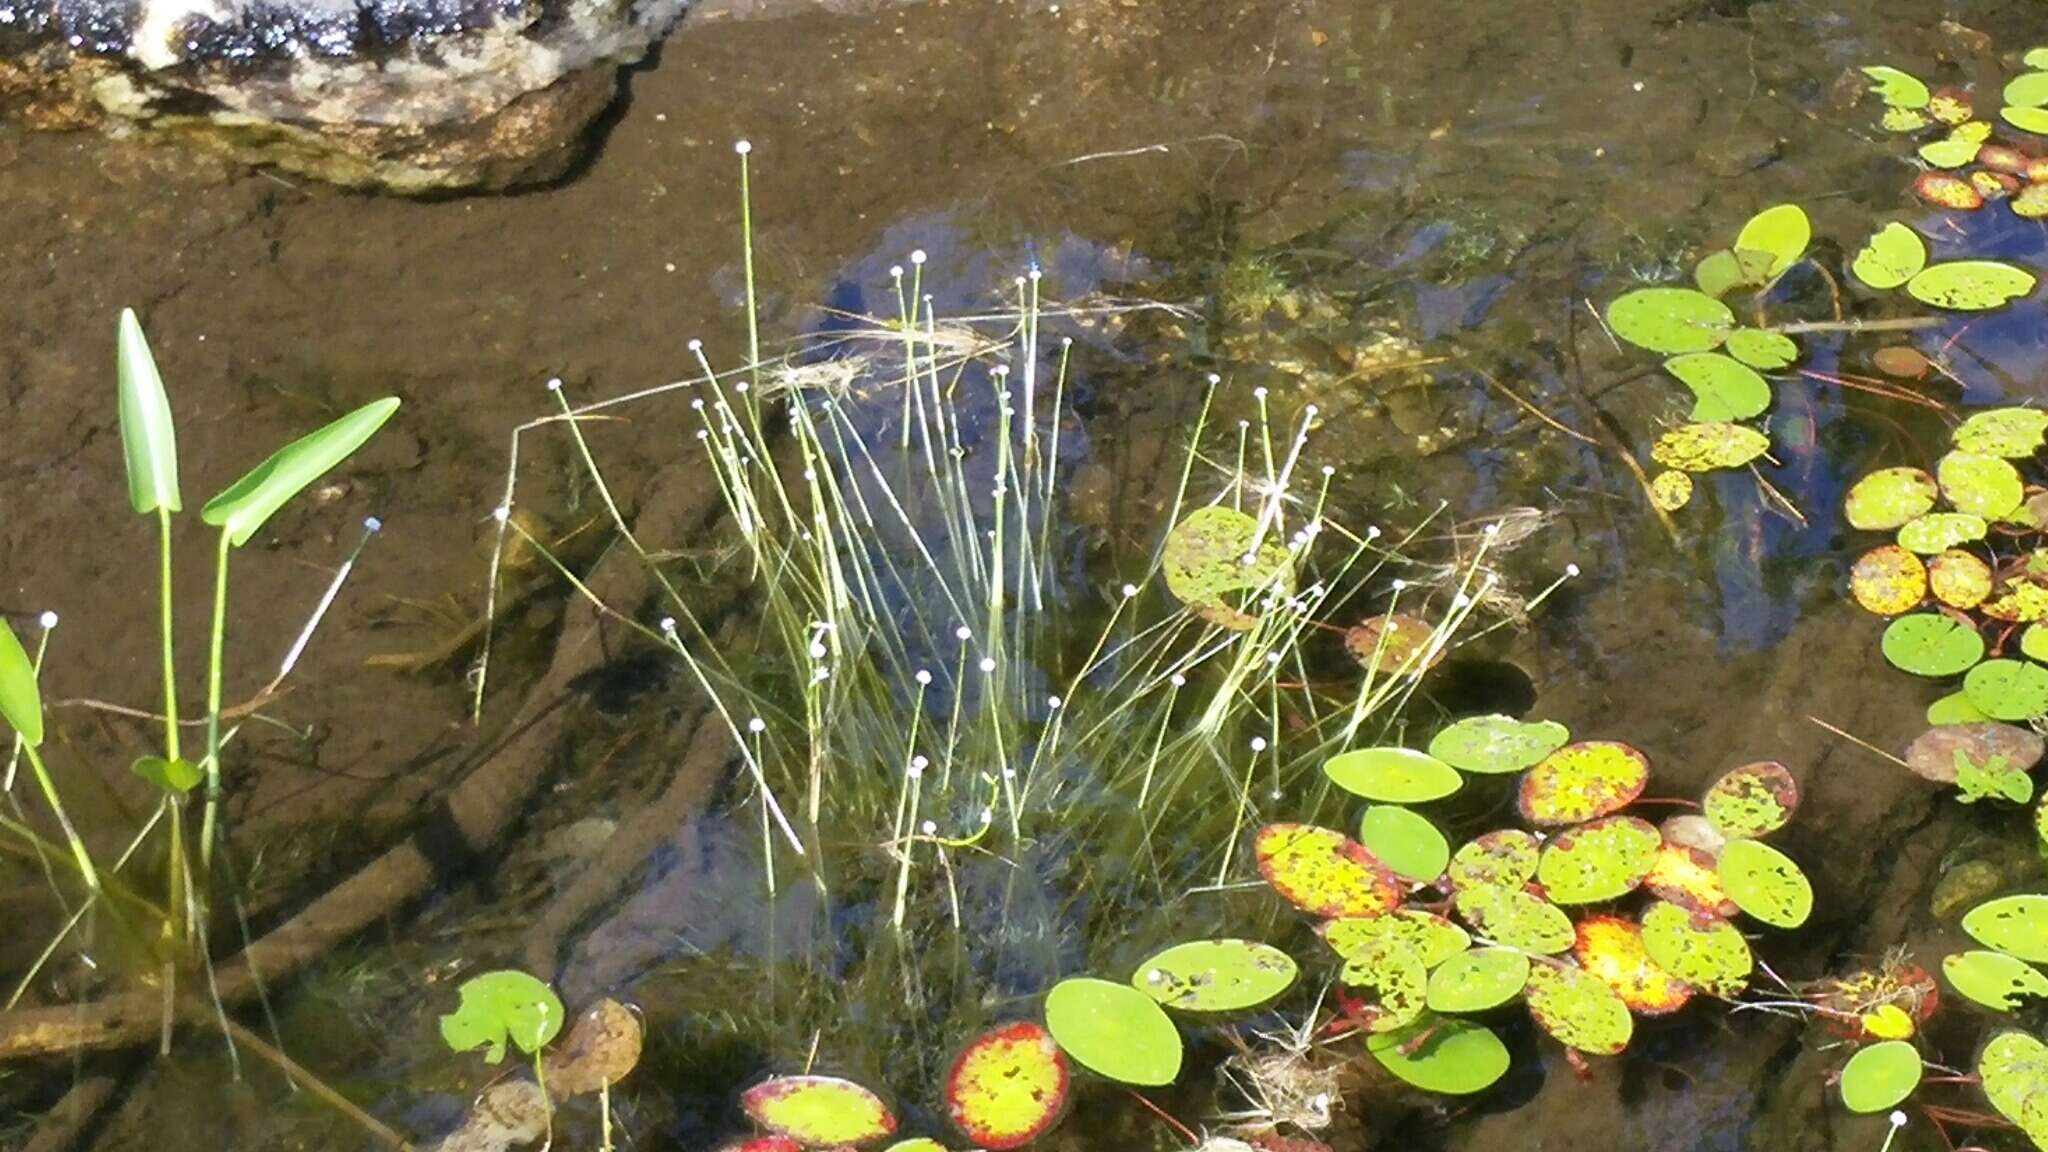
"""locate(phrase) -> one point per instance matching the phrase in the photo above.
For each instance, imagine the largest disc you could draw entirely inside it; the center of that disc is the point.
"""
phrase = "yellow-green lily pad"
(1670, 320)
(1880, 1077)
(1393, 775)
(1324, 872)
(1765, 883)
(2008, 689)
(1216, 975)
(1979, 485)
(1583, 780)
(1495, 745)
(2014, 925)
(1433, 938)
(1703, 951)
(1513, 918)
(1479, 980)
(1782, 231)
(1753, 800)
(1758, 348)
(1113, 1030)
(1970, 285)
(2014, 433)
(1598, 861)
(1442, 1054)
(1937, 532)
(1894, 255)
(1405, 842)
(1723, 387)
(1896, 88)
(1993, 979)
(818, 1111)
(1388, 985)
(1578, 1010)
(1890, 498)
(1932, 644)
(1006, 1088)
(1506, 858)
(1709, 446)
(1205, 556)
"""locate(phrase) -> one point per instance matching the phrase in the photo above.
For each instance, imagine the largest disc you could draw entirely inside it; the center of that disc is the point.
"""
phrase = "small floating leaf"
(1580, 781)
(1703, 951)
(1577, 1009)
(1386, 983)
(1760, 349)
(1901, 360)
(1945, 191)
(1492, 745)
(1433, 938)
(1670, 320)
(2022, 601)
(2034, 643)
(818, 1111)
(1216, 975)
(1959, 579)
(1880, 1077)
(1994, 185)
(1671, 490)
(1765, 883)
(1204, 556)
(1007, 1087)
(1717, 272)
(1940, 531)
(2032, 202)
(1394, 645)
(1450, 1056)
(1954, 708)
(1723, 387)
(2014, 925)
(1687, 877)
(1888, 580)
(1114, 1030)
(241, 510)
(2013, 1067)
(1993, 979)
(501, 1006)
(2034, 120)
(1324, 872)
(1611, 950)
(1999, 158)
(1892, 257)
(1970, 285)
(1889, 498)
(1753, 800)
(1709, 446)
(1598, 861)
(1950, 106)
(1980, 485)
(1478, 981)
(1506, 858)
(1512, 917)
(1932, 755)
(2008, 689)
(1931, 644)
(2029, 90)
(2014, 433)
(1405, 842)
(1896, 88)
(1393, 775)
(174, 776)
(1991, 779)
(1782, 231)
(1952, 152)
(1977, 130)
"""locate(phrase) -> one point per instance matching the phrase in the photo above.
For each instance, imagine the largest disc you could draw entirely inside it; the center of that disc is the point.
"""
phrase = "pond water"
(1407, 215)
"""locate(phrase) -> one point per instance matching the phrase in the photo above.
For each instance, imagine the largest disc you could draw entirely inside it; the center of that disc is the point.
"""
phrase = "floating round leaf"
(1889, 498)
(1479, 980)
(1945, 191)
(2015, 925)
(501, 1006)
(1993, 979)
(1888, 580)
(1896, 88)
(1719, 271)
(1901, 360)
(2029, 90)
(1949, 106)
(1994, 185)
(1393, 775)
(1580, 781)
(1879, 1077)
(1955, 708)
(1952, 152)
(1892, 257)
(1670, 320)
(1405, 842)
(1904, 120)
(1760, 349)
(1394, 645)
(1515, 919)
(1938, 532)
(1577, 1009)
(1765, 883)
(1970, 285)
(1723, 388)
(1671, 490)
(1324, 872)
(1980, 485)
(602, 1048)
(1610, 949)
(1999, 158)
(1709, 446)
(1959, 579)
(1753, 800)
(1497, 744)
(1781, 230)
(1703, 951)
(1506, 858)
(1386, 985)
(819, 1111)
(2034, 643)
(2032, 202)
(2013, 1067)
(1600, 860)
(1114, 1030)
(1932, 754)
(1931, 644)
(2033, 120)
(1205, 556)
(1433, 938)
(2014, 433)
(1450, 1056)
(2008, 689)
(1687, 877)
(1007, 1086)
(1977, 130)
(1215, 975)
(2036, 58)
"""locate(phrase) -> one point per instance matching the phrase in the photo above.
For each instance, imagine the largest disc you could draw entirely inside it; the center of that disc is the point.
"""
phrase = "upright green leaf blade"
(21, 703)
(243, 508)
(148, 441)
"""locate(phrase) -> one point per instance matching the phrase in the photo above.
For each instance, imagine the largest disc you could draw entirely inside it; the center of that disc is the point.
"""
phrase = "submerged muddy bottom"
(1400, 214)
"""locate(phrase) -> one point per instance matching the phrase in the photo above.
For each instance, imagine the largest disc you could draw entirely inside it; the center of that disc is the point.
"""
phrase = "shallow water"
(1463, 177)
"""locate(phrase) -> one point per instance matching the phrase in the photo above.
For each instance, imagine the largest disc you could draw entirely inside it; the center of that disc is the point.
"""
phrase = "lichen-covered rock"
(404, 95)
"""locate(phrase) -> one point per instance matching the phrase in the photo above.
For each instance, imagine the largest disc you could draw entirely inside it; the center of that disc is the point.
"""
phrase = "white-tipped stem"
(371, 527)
(1244, 800)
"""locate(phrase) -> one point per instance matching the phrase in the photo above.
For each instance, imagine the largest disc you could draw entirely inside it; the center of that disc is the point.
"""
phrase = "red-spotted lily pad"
(765, 1144)
(1493, 745)
(1687, 877)
(1709, 446)
(1503, 859)
(1515, 919)
(1753, 800)
(1007, 1087)
(1598, 861)
(1765, 883)
(1324, 872)
(1703, 951)
(1959, 579)
(2015, 925)
(819, 1111)
(1478, 981)
(1433, 938)
(1442, 1054)
(1945, 191)
(1880, 1077)
(1393, 775)
(1114, 1030)
(1888, 581)
(1216, 975)
(1386, 985)
(1580, 781)
(1578, 1010)
(1610, 948)
(1394, 645)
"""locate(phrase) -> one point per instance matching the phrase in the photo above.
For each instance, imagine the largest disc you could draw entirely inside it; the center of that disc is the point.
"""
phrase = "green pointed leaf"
(2029, 90)
(248, 503)
(149, 443)
(1393, 775)
(1670, 320)
(1433, 938)
(1442, 1054)
(1970, 285)
(1896, 88)
(1598, 861)
(1890, 498)
(1405, 842)
(1980, 485)
(1723, 388)
(2014, 925)
(1894, 255)
(2014, 433)
(1703, 951)
(1937, 532)
(1931, 644)
(21, 701)
(2008, 689)
(1216, 975)
(1757, 348)
(1707, 446)
(1880, 1077)
(1478, 980)
(1490, 745)
(1578, 1010)
(174, 776)
(1114, 1030)
(1993, 979)
(502, 1006)
(1782, 231)
(1765, 883)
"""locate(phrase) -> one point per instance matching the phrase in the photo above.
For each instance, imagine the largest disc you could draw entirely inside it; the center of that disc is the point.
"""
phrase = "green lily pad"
(2034, 642)
(1931, 644)
(1387, 984)
(1980, 485)
(1405, 842)
(1878, 1078)
(1753, 800)
(1970, 285)
(1393, 775)
(2014, 925)
(1580, 781)
(2029, 90)
(2013, 1068)
(1760, 349)
(1670, 320)
(1216, 975)
(1890, 498)
(1723, 387)
(2034, 120)
(1896, 88)
(1955, 708)
(1479, 980)
(1709, 446)
(819, 1111)
(2014, 433)
(1598, 861)
(1894, 255)
(1205, 557)
(502, 1006)
(1993, 778)
(1433, 938)
(1005, 1089)
(1578, 1010)
(1506, 858)
(1765, 883)
(1515, 919)
(1439, 1054)
(2008, 689)
(1717, 272)
(1782, 231)
(1114, 1030)
(1324, 872)
(1993, 979)
(1497, 745)
(1703, 951)
(1950, 152)
(1938, 532)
